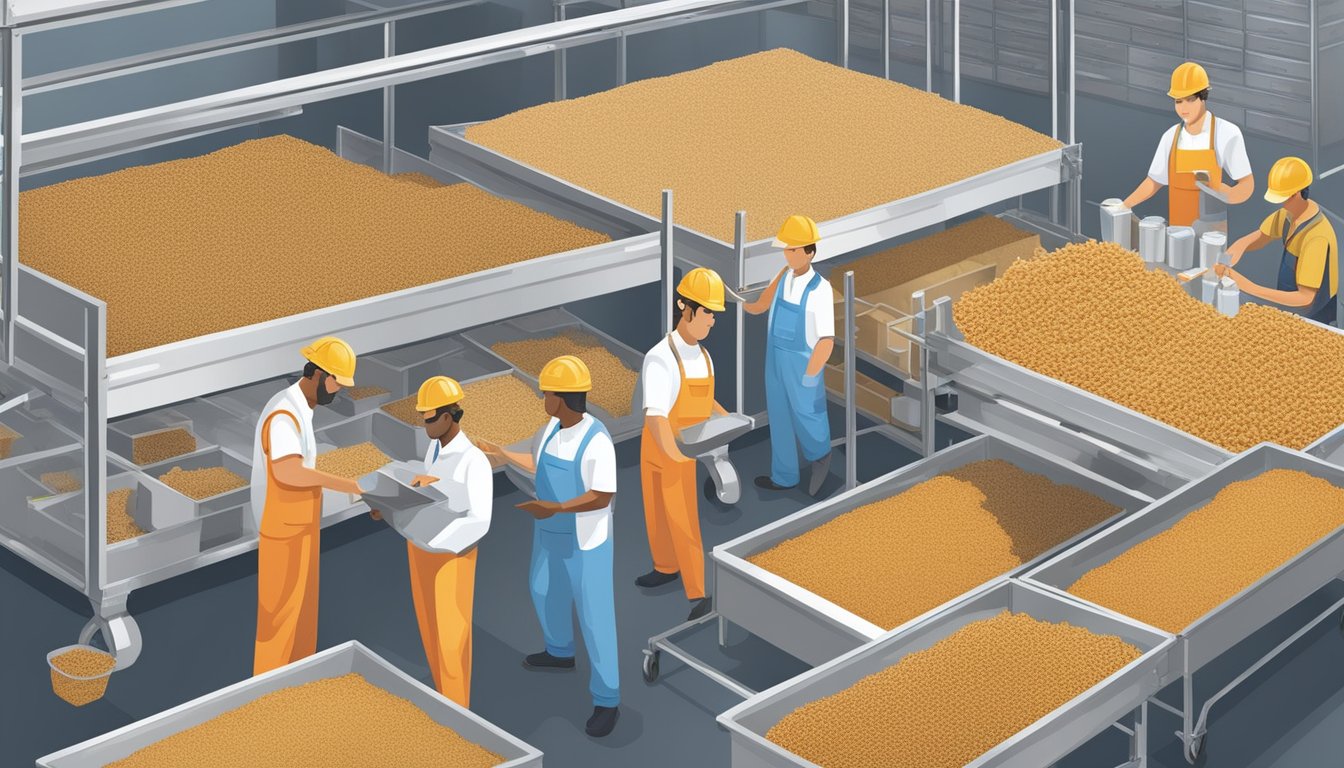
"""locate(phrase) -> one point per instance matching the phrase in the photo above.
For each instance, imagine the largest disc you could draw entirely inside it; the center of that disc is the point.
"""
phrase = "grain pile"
(7, 439)
(613, 382)
(501, 409)
(342, 721)
(61, 482)
(1248, 529)
(81, 663)
(162, 446)
(163, 246)
(896, 559)
(945, 706)
(868, 142)
(360, 393)
(917, 258)
(353, 461)
(1090, 315)
(403, 410)
(201, 483)
(120, 525)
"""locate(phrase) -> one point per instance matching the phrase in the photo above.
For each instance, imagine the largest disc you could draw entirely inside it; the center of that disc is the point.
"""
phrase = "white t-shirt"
(466, 479)
(662, 379)
(286, 439)
(820, 310)
(597, 467)
(1230, 151)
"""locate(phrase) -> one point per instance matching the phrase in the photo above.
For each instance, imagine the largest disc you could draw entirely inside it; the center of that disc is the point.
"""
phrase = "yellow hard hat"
(438, 392)
(797, 232)
(704, 287)
(566, 373)
(1289, 176)
(1187, 80)
(333, 356)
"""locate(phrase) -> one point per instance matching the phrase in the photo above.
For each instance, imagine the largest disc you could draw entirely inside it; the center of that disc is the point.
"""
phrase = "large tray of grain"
(840, 573)
(398, 722)
(1008, 677)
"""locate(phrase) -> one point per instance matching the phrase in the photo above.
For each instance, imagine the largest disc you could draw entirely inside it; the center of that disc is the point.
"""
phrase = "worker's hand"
(1221, 269)
(489, 449)
(421, 481)
(375, 514)
(540, 509)
(1235, 251)
(351, 487)
(811, 379)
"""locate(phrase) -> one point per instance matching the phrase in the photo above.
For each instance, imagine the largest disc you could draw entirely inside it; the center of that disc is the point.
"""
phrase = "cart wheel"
(1195, 753)
(651, 666)
(712, 495)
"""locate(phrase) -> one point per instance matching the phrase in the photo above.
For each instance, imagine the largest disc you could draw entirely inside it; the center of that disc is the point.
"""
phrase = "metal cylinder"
(1229, 297)
(1153, 239)
(1181, 248)
(1116, 222)
(1208, 291)
(1212, 245)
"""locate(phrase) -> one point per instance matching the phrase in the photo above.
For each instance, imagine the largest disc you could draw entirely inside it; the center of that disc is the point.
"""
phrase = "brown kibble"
(81, 662)
(404, 410)
(945, 706)
(613, 383)
(340, 721)
(7, 439)
(353, 461)
(120, 525)
(169, 232)
(162, 446)
(501, 410)
(201, 483)
(917, 258)
(700, 133)
(896, 559)
(1247, 530)
(1092, 316)
(359, 393)
(61, 482)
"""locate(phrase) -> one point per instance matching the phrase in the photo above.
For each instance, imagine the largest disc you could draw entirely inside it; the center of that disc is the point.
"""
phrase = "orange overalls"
(443, 586)
(288, 551)
(1182, 193)
(671, 495)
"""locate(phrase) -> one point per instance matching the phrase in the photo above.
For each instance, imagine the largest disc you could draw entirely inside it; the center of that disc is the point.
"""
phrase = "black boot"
(656, 578)
(702, 606)
(545, 660)
(603, 720)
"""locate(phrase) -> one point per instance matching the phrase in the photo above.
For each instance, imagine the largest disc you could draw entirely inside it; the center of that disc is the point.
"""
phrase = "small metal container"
(1229, 297)
(1153, 240)
(1116, 222)
(1212, 246)
(1181, 248)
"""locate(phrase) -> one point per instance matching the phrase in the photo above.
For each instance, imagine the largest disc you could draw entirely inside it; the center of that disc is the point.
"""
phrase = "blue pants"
(797, 411)
(563, 576)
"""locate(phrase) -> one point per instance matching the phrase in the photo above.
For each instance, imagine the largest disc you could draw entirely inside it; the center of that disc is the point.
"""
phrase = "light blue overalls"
(795, 407)
(562, 575)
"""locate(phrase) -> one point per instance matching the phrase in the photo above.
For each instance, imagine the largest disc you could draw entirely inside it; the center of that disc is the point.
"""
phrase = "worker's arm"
(664, 437)
(1146, 189)
(762, 302)
(1239, 192)
(290, 472)
(524, 461)
(1252, 242)
(820, 354)
(588, 502)
(1302, 297)
(463, 532)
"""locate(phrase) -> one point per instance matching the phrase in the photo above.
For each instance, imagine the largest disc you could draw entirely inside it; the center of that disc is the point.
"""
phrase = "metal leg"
(561, 73)
(9, 196)
(662, 643)
(389, 101)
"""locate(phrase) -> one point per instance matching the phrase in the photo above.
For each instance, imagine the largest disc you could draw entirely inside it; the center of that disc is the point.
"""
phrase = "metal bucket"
(1116, 222)
(1153, 239)
(1181, 248)
(1212, 246)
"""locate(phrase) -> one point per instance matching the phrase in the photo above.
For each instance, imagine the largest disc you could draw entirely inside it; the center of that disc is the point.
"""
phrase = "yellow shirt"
(1317, 249)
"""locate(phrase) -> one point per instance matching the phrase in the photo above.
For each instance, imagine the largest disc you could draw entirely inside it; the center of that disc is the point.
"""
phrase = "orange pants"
(672, 517)
(286, 599)
(442, 586)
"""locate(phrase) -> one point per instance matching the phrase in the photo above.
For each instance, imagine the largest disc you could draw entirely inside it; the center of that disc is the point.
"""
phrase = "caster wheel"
(1195, 752)
(651, 667)
(711, 493)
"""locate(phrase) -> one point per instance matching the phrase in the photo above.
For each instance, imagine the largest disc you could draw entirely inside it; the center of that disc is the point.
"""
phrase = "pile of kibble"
(1247, 530)
(61, 482)
(898, 558)
(501, 409)
(613, 382)
(915, 259)
(869, 141)
(353, 461)
(163, 245)
(1090, 315)
(162, 446)
(359, 393)
(341, 721)
(201, 483)
(7, 439)
(945, 706)
(81, 663)
(120, 525)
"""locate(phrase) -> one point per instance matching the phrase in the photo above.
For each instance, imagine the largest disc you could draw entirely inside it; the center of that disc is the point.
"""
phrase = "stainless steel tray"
(334, 662)
(1043, 743)
(1252, 608)
(166, 514)
(817, 630)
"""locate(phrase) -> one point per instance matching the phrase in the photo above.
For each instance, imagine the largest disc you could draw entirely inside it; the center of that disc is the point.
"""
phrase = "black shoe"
(603, 720)
(820, 469)
(702, 607)
(656, 578)
(545, 660)
(765, 482)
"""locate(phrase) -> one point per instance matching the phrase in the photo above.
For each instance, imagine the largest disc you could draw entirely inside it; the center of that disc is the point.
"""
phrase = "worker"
(801, 338)
(1309, 268)
(1199, 148)
(574, 461)
(678, 383)
(287, 506)
(443, 568)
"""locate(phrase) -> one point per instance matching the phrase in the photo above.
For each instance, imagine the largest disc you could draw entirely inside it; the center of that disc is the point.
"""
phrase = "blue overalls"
(1323, 307)
(562, 575)
(795, 407)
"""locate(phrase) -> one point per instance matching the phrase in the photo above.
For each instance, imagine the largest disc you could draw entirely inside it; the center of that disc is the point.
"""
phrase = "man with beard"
(287, 506)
